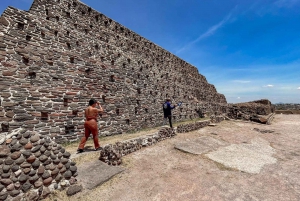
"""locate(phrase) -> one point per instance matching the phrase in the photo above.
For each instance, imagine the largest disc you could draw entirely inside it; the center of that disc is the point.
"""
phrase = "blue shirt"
(167, 107)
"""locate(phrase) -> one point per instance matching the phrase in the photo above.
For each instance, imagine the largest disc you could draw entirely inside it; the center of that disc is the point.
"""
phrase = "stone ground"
(269, 158)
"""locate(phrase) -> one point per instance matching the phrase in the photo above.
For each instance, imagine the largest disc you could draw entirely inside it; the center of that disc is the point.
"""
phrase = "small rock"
(73, 180)
(1, 187)
(58, 178)
(66, 155)
(19, 161)
(23, 141)
(4, 151)
(32, 173)
(10, 187)
(18, 172)
(31, 159)
(67, 165)
(68, 174)
(6, 168)
(15, 155)
(35, 138)
(25, 187)
(5, 182)
(43, 158)
(53, 157)
(8, 161)
(23, 178)
(63, 170)
(36, 148)
(28, 146)
(26, 154)
(36, 164)
(55, 172)
(33, 179)
(41, 170)
(27, 134)
(25, 165)
(73, 168)
(15, 168)
(64, 160)
(14, 193)
(46, 175)
(17, 185)
(42, 149)
(5, 175)
(16, 147)
(26, 170)
(38, 184)
(72, 190)
(59, 166)
(47, 162)
(47, 181)
(47, 153)
(37, 154)
(3, 195)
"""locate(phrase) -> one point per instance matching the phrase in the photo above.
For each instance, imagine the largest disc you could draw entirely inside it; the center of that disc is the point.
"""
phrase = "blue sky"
(248, 49)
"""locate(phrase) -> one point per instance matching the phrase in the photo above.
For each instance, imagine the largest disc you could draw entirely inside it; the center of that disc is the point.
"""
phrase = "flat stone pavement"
(268, 158)
(95, 173)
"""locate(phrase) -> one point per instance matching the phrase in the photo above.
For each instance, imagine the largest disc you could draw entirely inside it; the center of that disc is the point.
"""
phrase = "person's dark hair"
(168, 99)
(92, 101)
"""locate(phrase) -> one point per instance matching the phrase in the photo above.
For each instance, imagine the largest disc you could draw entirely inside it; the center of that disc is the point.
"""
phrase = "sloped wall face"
(58, 55)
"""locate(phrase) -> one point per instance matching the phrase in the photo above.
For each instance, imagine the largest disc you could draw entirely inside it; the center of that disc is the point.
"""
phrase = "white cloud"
(210, 31)
(298, 88)
(238, 97)
(269, 86)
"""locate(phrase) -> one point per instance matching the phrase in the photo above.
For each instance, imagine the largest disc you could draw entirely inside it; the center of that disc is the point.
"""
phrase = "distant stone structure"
(287, 108)
(60, 53)
(251, 111)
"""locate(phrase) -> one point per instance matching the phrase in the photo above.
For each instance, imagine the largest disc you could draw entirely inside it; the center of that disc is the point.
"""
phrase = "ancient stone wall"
(32, 166)
(60, 53)
(251, 110)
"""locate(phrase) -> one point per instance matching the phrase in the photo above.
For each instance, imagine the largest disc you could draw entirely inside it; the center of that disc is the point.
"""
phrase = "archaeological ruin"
(59, 54)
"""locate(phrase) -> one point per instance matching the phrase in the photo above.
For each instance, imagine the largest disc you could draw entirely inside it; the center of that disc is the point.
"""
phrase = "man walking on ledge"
(167, 107)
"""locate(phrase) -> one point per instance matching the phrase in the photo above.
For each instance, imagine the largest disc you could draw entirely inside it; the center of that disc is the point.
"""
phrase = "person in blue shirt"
(167, 107)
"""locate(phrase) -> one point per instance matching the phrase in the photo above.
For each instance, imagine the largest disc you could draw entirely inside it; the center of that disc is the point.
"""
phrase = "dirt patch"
(161, 172)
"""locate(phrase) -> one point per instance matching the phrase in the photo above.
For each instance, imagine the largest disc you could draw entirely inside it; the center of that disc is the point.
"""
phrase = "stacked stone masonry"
(251, 111)
(112, 154)
(32, 166)
(59, 54)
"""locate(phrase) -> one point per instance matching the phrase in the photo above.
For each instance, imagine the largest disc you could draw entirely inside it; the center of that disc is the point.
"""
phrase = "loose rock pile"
(32, 165)
(183, 128)
(112, 154)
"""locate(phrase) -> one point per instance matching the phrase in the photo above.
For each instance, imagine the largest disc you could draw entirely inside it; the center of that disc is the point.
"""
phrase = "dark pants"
(170, 120)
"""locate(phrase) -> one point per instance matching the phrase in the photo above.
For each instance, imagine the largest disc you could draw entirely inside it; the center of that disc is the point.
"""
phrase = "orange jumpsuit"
(90, 126)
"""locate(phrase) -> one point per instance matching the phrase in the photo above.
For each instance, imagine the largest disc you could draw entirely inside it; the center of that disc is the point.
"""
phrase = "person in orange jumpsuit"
(90, 125)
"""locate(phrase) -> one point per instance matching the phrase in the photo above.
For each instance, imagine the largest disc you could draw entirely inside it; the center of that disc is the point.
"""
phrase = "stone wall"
(251, 111)
(60, 53)
(112, 154)
(32, 166)
(184, 128)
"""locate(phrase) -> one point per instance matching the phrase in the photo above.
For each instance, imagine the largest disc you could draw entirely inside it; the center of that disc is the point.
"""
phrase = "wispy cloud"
(210, 31)
(286, 3)
(269, 86)
(298, 88)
